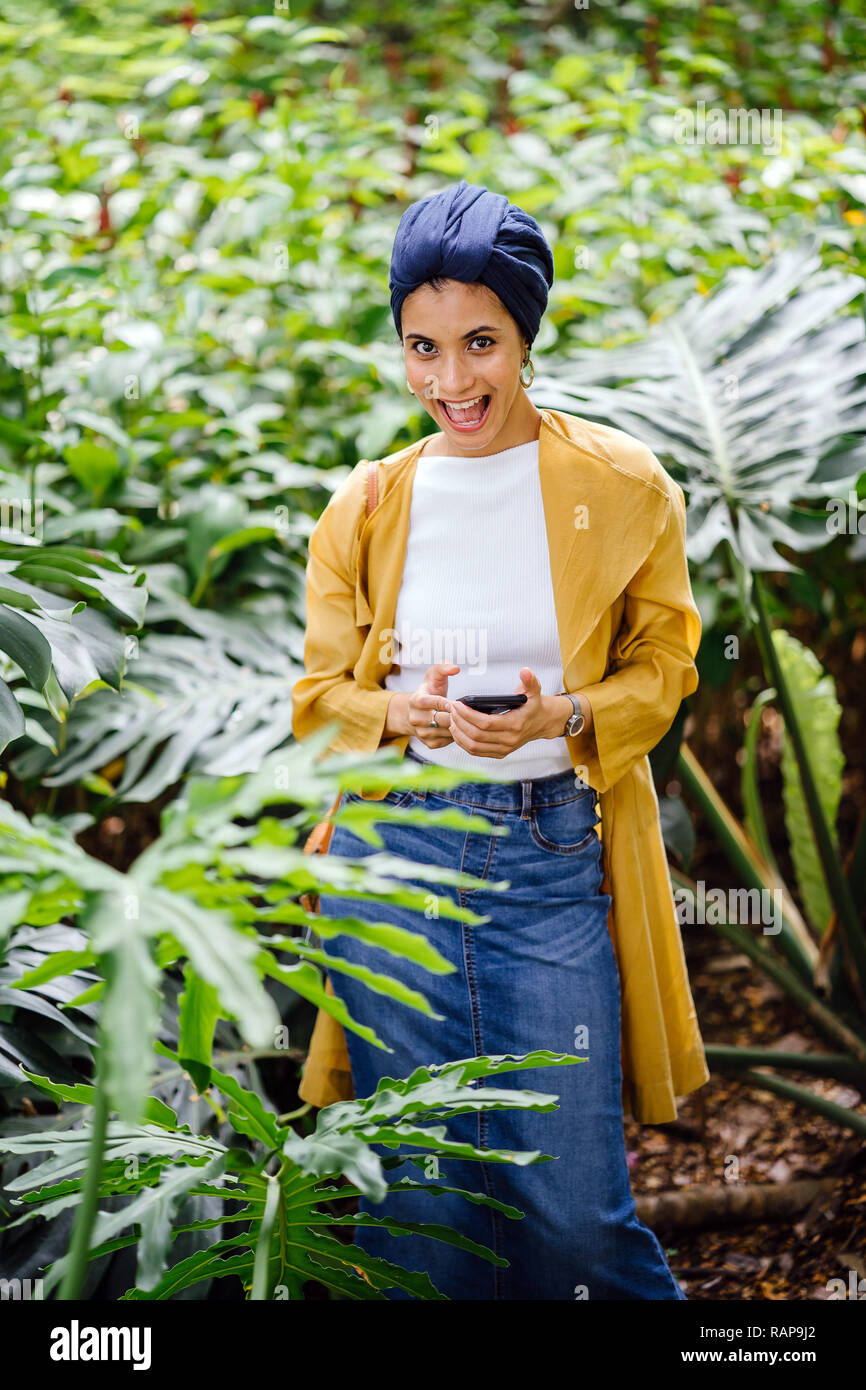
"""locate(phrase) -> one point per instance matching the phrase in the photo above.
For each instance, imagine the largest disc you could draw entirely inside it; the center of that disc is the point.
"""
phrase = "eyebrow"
(485, 328)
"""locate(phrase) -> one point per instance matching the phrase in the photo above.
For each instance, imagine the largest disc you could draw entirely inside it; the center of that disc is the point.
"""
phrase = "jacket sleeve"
(333, 641)
(652, 666)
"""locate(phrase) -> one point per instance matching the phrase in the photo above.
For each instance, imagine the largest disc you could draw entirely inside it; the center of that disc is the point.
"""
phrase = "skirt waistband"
(519, 795)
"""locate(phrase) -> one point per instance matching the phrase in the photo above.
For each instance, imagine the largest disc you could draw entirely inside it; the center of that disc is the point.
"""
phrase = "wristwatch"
(575, 721)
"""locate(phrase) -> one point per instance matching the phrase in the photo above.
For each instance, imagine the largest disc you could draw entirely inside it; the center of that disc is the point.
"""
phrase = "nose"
(451, 380)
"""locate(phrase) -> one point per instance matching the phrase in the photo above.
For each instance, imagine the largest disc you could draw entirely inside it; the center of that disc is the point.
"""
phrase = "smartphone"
(493, 704)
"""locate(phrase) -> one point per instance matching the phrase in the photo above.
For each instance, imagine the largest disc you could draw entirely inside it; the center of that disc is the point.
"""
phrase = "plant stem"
(294, 1114)
(781, 974)
(754, 819)
(795, 941)
(848, 1119)
(79, 1249)
(261, 1289)
(837, 1065)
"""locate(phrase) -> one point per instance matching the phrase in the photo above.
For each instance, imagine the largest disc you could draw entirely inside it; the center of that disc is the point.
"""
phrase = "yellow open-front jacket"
(629, 632)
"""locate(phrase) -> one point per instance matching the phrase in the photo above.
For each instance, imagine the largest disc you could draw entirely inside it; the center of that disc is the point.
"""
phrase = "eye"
(483, 338)
(424, 343)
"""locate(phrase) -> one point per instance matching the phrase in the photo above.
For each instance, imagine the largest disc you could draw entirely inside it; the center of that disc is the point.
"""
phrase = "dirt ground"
(772, 1141)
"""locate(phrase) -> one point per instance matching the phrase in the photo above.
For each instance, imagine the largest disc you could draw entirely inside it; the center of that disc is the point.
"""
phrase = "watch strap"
(578, 712)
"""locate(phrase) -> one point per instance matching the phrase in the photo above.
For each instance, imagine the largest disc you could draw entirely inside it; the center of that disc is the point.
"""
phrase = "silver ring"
(433, 720)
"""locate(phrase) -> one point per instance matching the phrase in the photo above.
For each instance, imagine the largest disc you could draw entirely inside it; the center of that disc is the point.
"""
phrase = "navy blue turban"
(468, 233)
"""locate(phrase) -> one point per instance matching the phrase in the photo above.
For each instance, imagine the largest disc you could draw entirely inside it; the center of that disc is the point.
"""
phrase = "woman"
(551, 552)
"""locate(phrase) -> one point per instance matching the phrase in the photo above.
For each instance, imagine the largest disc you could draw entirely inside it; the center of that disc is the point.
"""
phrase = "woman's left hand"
(496, 735)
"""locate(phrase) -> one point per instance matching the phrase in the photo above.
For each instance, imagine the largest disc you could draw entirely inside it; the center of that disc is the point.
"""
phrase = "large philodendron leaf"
(190, 708)
(122, 915)
(752, 397)
(286, 1231)
(91, 573)
(62, 647)
(818, 712)
(42, 970)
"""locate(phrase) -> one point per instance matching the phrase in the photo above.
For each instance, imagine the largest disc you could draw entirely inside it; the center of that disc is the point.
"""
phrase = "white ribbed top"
(477, 592)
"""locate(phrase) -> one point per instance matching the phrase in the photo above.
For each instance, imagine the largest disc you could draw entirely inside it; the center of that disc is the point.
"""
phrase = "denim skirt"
(540, 972)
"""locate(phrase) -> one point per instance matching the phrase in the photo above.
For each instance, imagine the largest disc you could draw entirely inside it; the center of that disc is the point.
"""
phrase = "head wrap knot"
(468, 233)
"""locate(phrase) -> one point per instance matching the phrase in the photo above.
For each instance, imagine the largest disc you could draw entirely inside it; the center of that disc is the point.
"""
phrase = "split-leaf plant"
(217, 892)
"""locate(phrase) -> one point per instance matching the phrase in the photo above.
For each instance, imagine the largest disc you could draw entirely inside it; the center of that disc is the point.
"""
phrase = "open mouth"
(466, 416)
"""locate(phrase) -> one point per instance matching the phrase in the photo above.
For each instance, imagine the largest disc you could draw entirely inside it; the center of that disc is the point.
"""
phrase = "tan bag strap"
(318, 842)
(372, 485)
(319, 838)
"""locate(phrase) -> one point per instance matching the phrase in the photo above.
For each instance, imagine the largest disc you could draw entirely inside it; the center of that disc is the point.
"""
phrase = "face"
(462, 347)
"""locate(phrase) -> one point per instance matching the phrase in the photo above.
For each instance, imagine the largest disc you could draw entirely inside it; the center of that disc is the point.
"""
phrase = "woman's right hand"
(432, 695)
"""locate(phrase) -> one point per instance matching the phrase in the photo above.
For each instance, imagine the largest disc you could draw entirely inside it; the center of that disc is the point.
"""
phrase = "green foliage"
(218, 890)
(289, 1233)
(196, 211)
(746, 397)
(819, 712)
(196, 342)
(56, 653)
(43, 969)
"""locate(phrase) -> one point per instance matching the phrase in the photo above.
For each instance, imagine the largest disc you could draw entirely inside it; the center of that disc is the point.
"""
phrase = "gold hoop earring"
(527, 362)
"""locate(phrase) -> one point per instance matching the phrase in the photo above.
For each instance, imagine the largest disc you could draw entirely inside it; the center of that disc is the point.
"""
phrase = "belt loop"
(420, 762)
(526, 799)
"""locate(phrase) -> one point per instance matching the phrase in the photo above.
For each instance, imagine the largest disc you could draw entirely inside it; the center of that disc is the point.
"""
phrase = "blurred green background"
(197, 206)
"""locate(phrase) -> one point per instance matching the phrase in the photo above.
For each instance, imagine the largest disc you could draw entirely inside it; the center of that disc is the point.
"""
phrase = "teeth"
(463, 405)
